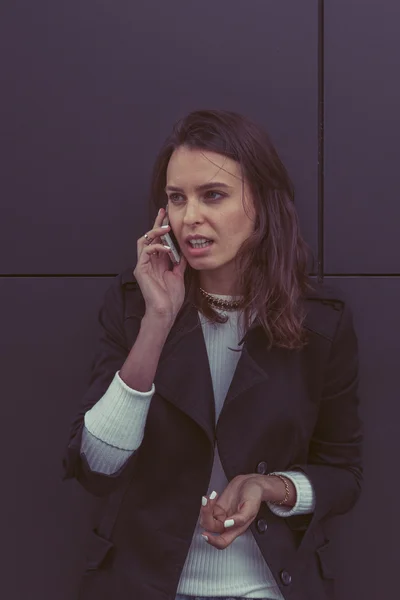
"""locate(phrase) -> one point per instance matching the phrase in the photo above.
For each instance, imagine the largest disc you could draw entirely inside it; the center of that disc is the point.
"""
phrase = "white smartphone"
(170, 240)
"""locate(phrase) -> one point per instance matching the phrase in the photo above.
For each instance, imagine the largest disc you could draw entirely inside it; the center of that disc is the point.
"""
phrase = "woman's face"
(205, 197)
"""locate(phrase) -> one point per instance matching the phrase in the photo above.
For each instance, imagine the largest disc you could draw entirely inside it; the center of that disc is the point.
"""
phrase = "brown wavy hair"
(272, 262)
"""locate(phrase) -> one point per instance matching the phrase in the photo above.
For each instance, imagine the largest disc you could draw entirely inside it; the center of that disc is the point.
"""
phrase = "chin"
(198, 265)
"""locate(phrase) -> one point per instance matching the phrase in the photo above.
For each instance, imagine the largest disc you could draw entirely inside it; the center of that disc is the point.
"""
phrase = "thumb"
(246, 512)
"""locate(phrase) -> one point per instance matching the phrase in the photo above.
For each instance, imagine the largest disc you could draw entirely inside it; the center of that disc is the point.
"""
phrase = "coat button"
(286, 578)
(262, 467)
(261, 525)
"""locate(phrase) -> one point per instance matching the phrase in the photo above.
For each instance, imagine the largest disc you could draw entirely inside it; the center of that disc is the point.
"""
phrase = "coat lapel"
(184, 377)
(249, 372)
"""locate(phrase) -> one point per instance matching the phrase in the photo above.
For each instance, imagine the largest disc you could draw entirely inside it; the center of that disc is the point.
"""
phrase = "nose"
(192, 214)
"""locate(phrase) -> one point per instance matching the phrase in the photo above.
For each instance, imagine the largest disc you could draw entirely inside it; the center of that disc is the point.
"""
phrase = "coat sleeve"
(334, 464)
(111, 354)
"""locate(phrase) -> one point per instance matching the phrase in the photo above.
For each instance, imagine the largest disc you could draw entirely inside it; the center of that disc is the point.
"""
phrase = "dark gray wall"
(92, 88)
(362, 255)
(89, 91)
(362, 130)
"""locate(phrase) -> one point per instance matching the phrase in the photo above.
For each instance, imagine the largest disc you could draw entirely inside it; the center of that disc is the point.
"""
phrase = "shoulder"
(327, 307)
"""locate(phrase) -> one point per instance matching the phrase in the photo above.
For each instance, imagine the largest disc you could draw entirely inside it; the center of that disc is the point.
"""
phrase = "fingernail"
(164, 226)
(204, 537)
(165, 246)
(204, 501)
(159, 211)
(213, 495)
(229, 523)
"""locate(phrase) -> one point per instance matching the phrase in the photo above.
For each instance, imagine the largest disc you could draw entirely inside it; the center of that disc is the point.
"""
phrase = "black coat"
(284, 410)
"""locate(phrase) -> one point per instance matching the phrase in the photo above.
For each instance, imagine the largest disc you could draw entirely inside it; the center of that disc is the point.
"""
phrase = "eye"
(174, 197)
(211, 195)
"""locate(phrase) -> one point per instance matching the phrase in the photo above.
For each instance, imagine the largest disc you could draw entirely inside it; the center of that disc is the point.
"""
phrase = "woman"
(221, 422)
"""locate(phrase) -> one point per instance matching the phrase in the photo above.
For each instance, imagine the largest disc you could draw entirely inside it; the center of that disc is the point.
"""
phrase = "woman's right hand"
(163, 290)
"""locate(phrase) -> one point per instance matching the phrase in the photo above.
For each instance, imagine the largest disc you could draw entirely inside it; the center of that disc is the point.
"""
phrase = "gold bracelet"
(287, 489)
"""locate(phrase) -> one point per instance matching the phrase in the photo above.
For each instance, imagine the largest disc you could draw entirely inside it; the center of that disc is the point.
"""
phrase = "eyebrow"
(200, 188)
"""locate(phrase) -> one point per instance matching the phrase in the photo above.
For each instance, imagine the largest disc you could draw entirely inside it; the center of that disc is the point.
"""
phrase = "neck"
(225, 288)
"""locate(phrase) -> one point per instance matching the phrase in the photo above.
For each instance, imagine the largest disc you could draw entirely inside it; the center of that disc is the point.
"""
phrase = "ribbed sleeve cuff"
(119, 417)
(101, 457)
(305, 502)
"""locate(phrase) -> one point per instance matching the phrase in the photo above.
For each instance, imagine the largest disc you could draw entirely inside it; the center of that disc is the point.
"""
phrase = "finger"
(151, 249)
(153, 236)
(245, 514)
(160, 230)
(225, 539)
(207, 520)
(160, 217)
(149, 252)
(156, 226)
(220, 515)
(234, 525)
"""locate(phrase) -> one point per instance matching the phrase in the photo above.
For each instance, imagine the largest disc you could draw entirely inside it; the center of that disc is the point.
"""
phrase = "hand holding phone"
(163, 289)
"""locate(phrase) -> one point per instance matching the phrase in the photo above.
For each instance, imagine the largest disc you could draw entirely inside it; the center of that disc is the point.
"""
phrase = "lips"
(188, 239)
(198, 241)
(199, 250)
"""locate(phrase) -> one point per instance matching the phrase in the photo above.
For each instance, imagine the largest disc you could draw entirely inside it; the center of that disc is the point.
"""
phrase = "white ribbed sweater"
(114, 430)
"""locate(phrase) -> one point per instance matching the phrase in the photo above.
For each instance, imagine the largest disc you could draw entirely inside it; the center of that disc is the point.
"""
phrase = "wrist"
(157, 323)
(279, 490)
